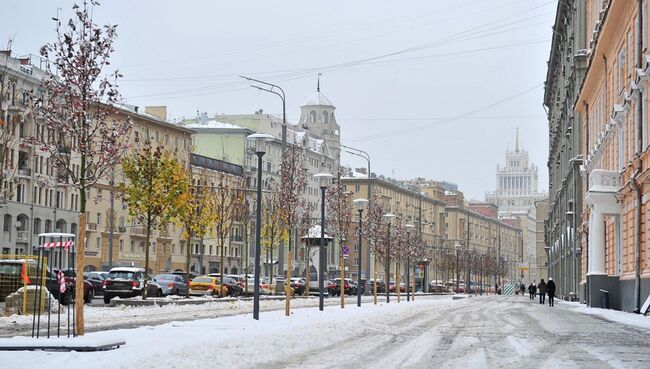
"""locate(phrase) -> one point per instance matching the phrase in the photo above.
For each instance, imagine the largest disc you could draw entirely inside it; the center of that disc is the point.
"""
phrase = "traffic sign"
(346, 252)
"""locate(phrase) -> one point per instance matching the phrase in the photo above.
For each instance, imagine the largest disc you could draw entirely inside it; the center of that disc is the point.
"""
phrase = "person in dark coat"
(550, 290)
(531, 291)
(542, 291)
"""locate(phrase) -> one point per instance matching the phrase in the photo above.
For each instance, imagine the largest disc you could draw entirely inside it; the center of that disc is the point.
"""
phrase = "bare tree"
(227, 202)
(78, 114)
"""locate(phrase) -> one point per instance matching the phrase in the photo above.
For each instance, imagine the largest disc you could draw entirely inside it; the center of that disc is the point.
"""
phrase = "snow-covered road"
(485, 332)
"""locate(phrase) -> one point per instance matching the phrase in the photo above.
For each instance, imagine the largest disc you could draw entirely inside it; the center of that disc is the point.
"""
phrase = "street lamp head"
(360, 204)
(388, 218)
(260, 139)
(324, 179)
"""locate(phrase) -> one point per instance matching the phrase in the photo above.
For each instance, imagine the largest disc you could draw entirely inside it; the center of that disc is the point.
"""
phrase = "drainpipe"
(639, 165)
(586, 234)
(637, 241)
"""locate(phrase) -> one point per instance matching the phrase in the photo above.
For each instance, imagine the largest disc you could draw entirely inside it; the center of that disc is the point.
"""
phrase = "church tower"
(317, 117)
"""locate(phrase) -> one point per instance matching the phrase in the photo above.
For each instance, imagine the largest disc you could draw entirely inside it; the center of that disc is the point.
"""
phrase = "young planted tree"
(81, 130)
(375, 232)
(398, 250)
(227, 202)
(157, 190)
(339, 218)
(272, 232)
(245, 218)
(304, 224)
(197, 217)
(293, 181)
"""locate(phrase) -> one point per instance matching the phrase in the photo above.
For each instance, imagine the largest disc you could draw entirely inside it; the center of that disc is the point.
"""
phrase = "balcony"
(24, 172)
(138, 231)
(91, 227)
(22, 236)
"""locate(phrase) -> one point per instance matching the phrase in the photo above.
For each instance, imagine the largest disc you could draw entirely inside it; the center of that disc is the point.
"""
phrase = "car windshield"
(121, 275)
(202, 280)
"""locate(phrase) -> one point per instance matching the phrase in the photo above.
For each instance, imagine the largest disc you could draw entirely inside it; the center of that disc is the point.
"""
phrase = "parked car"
(70, 277)
(97, 280)
(381, 286)
(206, 285)
(171, 284)
(298, 284)
(11, 281)
(128, 282)
(361, 285)
(437, 287)
(239, 278)
(334, 288)
(234, 289)
(391, 287)
(184, 275)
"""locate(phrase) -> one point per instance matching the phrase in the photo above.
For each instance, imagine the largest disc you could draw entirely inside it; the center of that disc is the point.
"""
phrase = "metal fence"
(20, 273)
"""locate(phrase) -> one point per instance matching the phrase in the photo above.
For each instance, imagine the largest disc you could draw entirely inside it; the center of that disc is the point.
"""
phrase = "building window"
(312, 117)
(357, 188)
(121, 245)
(324, 117)
(132, 246)
(98, 242)
(356, 262)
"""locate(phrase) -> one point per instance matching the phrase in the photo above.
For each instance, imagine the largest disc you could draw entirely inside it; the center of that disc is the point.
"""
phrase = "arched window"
(324, 117)
(312, 117)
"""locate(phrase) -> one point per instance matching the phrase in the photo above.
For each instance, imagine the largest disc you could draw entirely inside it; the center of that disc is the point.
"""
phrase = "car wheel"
(89, 298)
(107, 299)
(159, 293)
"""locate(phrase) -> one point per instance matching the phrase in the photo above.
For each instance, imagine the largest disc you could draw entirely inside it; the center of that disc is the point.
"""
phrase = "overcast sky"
(431, 89)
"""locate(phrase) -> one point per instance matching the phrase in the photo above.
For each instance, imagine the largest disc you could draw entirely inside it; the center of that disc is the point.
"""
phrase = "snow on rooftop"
(213, 124)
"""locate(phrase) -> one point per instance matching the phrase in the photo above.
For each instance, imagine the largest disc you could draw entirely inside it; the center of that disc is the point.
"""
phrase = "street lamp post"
(361, 205)
(282, 96)
(323, 181)
(409, 227)
(366, 156)
(259, 140)
(389, 219)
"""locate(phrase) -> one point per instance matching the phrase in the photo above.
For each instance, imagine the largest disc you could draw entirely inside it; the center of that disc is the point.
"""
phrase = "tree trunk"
(146, 260)
(397, 279)
(342, 286)
(81, 249)
(287, 283)
(307, 271)
(79, 281)
(187, 266)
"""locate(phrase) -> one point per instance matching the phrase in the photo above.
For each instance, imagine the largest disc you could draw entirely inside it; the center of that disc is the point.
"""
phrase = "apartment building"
(613, 102)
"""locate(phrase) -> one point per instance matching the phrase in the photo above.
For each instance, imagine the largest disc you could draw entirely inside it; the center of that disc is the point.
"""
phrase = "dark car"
(361, 285)
(11, 281)
(128, 282)
(234, 289)
(97, 280)
(334, 288)
(381, 286)
(171, 284)
(70, 277)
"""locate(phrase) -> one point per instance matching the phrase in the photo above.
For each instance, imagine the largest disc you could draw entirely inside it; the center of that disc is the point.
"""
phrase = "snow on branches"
(80, 124)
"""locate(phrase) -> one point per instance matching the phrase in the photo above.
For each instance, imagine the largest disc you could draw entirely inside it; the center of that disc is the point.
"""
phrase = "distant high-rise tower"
(516, 184)
(317, 116)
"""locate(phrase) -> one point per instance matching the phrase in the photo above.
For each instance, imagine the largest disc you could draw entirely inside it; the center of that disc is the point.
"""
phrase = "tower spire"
(318, 83)
(517, 141)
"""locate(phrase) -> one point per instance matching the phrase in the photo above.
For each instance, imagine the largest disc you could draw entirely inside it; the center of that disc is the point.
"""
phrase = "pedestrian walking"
(531, 291)
(542, 291)
(550, 290)
(522, 287)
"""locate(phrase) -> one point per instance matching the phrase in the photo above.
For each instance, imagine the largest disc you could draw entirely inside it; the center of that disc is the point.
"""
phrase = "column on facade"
(596, 242)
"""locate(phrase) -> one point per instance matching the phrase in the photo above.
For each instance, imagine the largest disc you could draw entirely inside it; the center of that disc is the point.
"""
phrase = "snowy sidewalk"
(236, 341)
